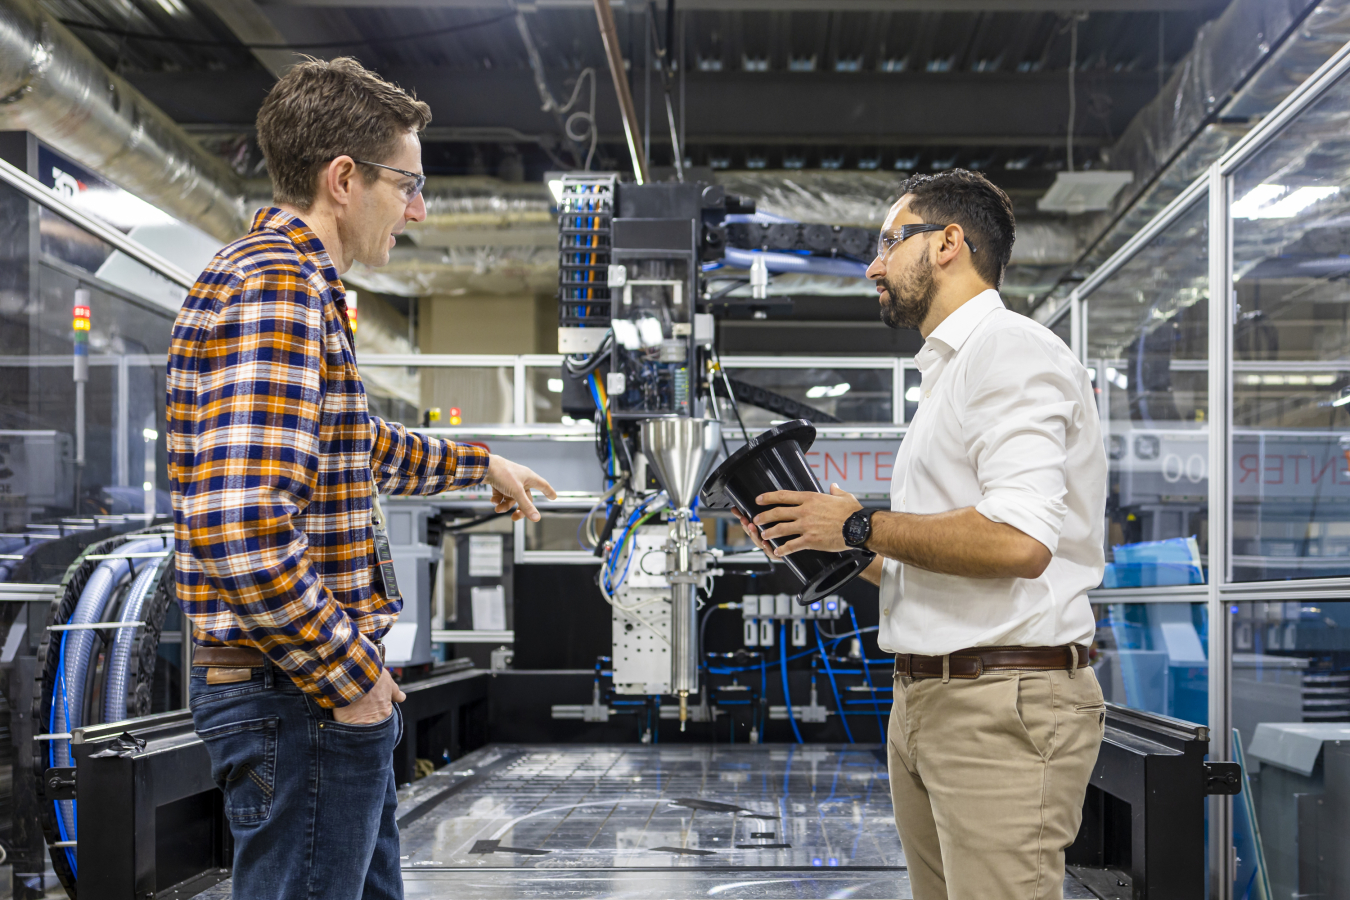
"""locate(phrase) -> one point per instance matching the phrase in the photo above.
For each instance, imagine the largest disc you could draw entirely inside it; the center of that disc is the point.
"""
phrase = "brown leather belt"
(241, 657)
(228, 657)
(975, 661)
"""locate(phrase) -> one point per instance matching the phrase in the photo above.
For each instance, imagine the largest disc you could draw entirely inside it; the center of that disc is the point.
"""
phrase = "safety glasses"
(888, 239)
(409, 193)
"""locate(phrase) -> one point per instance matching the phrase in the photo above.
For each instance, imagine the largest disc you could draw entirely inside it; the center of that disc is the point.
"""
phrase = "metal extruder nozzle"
(684, 708)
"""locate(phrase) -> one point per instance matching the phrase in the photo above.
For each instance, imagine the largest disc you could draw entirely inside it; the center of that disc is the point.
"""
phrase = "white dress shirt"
(1007, 423)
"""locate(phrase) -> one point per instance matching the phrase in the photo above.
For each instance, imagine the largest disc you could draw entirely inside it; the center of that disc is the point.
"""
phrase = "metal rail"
(38, 192)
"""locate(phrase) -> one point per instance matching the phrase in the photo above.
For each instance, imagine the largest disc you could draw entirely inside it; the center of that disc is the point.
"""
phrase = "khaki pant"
(987, 778)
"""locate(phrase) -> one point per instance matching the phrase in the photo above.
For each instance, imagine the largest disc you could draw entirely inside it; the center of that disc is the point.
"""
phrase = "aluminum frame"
(521, 363)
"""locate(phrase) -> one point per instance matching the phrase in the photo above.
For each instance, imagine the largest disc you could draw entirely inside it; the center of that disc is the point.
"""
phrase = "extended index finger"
(785, 498)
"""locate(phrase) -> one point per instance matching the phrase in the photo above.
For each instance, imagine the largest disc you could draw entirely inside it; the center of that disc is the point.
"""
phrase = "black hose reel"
(142, 662)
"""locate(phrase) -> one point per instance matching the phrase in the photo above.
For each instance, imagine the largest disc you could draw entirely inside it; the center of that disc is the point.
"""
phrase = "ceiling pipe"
(610, 35)
(54, 86)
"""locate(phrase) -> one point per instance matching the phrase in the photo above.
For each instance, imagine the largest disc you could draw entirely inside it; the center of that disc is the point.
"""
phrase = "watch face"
(855, 528)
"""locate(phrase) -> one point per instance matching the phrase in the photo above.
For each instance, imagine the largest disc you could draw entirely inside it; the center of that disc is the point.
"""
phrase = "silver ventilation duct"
(53, 86)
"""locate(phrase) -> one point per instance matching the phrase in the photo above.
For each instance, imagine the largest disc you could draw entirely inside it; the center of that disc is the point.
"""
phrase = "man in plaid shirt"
(274, 461)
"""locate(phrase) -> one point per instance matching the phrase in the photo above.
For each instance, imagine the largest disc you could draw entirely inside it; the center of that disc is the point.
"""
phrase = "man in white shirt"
(984, 561)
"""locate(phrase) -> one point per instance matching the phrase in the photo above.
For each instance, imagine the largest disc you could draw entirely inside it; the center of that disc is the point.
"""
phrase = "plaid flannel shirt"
(271, 455)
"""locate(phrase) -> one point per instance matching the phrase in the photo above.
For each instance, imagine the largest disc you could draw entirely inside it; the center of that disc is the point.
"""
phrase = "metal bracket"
(58, 783)
(1224, 778)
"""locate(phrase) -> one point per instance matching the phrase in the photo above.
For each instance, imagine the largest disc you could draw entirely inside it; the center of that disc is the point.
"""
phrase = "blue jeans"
(311, 801)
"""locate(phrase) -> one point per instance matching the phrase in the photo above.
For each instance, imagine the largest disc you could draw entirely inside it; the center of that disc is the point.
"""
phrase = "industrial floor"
(654, 822)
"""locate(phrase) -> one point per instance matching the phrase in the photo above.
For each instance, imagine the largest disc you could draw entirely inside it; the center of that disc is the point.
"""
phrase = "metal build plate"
(654, 823)
(641, 637)
(644, 807)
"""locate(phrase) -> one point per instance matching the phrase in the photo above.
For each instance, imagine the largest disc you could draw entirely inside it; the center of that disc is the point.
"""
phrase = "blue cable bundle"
(867, 676)
(834, 688)
(787, 695)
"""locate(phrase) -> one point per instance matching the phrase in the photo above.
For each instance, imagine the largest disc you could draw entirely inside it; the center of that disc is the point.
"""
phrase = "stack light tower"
(81, 320)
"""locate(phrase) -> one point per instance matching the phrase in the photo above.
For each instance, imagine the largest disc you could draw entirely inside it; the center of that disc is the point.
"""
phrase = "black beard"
(906, 304)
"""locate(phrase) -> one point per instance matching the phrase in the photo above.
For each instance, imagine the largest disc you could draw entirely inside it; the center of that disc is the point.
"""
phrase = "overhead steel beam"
(769, 108)
(450, 135)
(248, 23)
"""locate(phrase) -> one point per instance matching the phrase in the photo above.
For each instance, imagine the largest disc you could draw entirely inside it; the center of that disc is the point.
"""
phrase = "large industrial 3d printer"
(616, 639)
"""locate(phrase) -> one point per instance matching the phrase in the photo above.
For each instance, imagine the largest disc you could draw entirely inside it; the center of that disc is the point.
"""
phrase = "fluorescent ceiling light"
(1277, 201)
(1256, 198)
(913, 394)
(555, 386)
(1080, 192)
(823, 390)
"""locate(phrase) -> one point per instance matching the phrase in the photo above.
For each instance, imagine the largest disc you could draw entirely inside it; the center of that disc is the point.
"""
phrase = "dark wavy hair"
(979, 206)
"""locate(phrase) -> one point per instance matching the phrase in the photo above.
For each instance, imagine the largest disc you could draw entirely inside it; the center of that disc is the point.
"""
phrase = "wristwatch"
(858, 527)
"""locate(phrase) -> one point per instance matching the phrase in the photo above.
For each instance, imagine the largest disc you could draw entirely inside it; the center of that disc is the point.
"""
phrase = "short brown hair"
(979, 206)
(320, 110)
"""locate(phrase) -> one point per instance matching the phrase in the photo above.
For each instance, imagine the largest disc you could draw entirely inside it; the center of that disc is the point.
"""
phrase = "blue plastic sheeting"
(1155, 563)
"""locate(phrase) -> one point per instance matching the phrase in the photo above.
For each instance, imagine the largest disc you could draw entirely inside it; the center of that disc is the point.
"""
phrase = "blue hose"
(77, 650)
(792, 262)
(867, 676)
(124, 644)
(51, 757)
(834, 688)
(787, 696)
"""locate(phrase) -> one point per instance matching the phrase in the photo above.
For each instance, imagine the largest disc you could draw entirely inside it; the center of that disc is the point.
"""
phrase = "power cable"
(735, 407)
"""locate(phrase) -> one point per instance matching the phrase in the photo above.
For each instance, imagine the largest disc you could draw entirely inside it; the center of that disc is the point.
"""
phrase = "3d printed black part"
(776, 461)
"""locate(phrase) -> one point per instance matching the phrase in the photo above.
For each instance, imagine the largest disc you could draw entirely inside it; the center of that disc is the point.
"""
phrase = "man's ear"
(336, 179)
(953, 236)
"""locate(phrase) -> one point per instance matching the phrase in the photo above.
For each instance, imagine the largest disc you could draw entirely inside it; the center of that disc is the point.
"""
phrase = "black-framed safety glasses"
(888, 239)
(409, 194)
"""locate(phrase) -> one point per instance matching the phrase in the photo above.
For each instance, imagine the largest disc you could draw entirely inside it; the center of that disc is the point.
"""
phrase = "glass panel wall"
(44, 260)
(1147, 349)
(544, 394)
(1155, 657)
(1291, 713)
(1062, 328)
(851, 395)
(1291, 350)
(430, 395)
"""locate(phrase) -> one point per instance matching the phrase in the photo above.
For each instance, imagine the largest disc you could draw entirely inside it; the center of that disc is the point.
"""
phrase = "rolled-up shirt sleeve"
(407, 462)
(1020, 411)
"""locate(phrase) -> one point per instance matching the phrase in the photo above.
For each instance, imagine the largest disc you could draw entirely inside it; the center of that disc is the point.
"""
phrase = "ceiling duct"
(53, 86)
(1242, 65)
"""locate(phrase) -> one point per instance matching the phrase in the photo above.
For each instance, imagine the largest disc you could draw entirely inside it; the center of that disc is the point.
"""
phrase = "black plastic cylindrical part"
(776, 461)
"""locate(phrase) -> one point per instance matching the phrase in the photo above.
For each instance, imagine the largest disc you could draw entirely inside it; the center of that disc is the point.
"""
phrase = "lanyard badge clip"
(384, 557)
